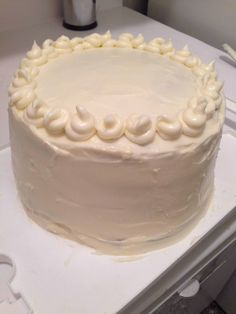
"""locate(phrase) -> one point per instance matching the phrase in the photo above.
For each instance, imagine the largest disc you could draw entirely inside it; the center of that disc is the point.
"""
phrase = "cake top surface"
(99, 88)
(116, 81)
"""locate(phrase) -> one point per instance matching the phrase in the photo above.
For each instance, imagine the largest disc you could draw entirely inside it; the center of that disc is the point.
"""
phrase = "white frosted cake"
(114, 141)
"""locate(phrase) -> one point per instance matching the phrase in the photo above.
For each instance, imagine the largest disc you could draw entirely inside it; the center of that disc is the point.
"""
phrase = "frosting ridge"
(36, 56)
(82, 125)
(55, 120)
(34, 114)
(139, 129)
(168, 128)
(112, 128)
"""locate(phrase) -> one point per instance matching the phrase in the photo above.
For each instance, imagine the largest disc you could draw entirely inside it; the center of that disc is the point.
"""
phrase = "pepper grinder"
(79, 14)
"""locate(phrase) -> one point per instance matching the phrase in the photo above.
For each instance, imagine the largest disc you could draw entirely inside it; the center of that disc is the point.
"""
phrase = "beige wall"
(212, 21)
(138, 5)
(23, 13)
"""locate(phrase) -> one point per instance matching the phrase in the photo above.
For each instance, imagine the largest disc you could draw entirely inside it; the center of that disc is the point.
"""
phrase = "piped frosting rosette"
(22, 98)
(201, 69)
(49, 50)
(160, 45)
(24, 78)
(36, 55)
(81, 126)
(21, 90)
(127, 40)
(62, 45)
(193, 119)
(55, 120)
(168, 128)
(140, 129)
(34, 113)
(213, 91)
(111, 128)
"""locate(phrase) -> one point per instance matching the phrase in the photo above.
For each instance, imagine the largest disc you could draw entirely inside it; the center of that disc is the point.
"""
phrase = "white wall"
(108, 4)
(212, 21)
(23, 13)
(138, 5)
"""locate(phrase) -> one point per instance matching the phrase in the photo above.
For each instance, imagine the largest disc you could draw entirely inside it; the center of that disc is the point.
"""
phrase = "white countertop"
(53, 266)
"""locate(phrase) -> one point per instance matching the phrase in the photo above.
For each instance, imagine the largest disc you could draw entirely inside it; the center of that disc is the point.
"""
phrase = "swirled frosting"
(167, 48)
(95, 40)
(139, 129)
(19, 81)
(49, 50)
(182, 55)
(111, 128)
(55, 120)
(213, 89)
(155, 45)
(34, 114)
(29, 72)
(168, 128)
(201, 69)
(82, 125)
(36, 55)
(133, 92)
(127, 40)
(22, 98)
(110, 43)
(76, 41)
(63, 45)
(194, 117)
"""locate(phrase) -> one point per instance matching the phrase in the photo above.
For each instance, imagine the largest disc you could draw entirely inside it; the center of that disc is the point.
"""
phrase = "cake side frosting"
(115, 203)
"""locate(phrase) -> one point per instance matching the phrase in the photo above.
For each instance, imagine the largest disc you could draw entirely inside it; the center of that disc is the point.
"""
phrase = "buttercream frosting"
(82, 125)
(114, 141)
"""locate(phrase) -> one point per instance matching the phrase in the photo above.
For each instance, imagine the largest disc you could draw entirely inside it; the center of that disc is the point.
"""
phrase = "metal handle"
(79, 14)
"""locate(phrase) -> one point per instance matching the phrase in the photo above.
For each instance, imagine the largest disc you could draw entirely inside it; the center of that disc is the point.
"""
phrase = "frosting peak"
(194, 117)
(22, 98)
(168, 128)
(112, 128)
(35, 112)
(55, 120)
(82, 125)
(36, 56)
(139, 129)
(63, 44)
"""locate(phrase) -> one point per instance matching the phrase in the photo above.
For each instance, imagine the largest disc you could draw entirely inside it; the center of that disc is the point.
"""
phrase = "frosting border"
(139, 129)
